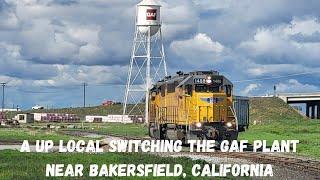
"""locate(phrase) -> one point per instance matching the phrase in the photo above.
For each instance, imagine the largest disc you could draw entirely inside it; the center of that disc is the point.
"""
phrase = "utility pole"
(84, 94)
(3, 85)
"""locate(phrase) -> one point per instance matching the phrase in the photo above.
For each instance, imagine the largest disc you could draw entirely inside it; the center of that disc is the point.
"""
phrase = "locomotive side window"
(163, 90)
(228, 90)
(188, 89)
(153, 95)
(171, 88)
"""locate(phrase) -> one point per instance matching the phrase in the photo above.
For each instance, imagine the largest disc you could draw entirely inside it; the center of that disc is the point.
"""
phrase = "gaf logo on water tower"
(151, 14)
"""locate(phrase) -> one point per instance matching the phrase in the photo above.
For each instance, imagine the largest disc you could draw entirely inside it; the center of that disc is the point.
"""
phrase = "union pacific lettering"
(151, 14)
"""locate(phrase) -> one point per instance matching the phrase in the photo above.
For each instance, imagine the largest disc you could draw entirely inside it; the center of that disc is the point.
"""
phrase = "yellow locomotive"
(195, 105)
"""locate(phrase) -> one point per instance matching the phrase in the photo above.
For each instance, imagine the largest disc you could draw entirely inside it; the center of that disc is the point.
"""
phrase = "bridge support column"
(308, 110)
(313, 108)
(318, 111)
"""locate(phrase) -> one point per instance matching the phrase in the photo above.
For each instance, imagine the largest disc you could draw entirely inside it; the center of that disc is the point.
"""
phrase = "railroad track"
(295, 163)
(304, 165)
(81, 133)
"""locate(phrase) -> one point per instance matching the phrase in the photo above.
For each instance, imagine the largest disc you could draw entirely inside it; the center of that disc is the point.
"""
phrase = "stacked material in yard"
(119, 118)
(112, 118)
(137, 118)
(2, 116)
(55, 117)
(95, 118)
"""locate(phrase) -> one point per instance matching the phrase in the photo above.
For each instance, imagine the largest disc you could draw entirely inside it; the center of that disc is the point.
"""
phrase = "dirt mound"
(266, 109)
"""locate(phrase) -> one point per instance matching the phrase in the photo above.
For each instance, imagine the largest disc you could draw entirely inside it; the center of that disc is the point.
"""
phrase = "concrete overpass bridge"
(311, 100)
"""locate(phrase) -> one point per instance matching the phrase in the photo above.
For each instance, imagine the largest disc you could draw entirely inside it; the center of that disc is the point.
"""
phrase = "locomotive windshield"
(206, 88)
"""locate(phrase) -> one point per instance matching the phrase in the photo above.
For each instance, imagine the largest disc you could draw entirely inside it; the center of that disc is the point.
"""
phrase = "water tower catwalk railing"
(148, 63)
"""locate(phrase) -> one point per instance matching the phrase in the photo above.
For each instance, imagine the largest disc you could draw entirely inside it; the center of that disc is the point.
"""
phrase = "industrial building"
(24, 118)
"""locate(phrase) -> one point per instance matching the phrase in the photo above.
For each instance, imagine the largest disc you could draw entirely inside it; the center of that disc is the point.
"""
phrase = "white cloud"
(294, 85)
(13, 64)
(275, 45)
(306, 26)
(200, 47)
(249, 89)
(68, 75)
(11, 81)
(9, 20)
(213, 4)
(179, 18)
(63, 43)
(280, 69)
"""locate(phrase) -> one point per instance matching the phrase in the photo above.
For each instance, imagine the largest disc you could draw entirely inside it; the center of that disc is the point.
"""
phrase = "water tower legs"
(147, 66)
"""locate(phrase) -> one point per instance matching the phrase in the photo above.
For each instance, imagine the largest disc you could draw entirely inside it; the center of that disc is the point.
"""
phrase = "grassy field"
(33, 165)
(82, 112)
(38, 132)
(134, 130)
(272, 119)
(19, 134)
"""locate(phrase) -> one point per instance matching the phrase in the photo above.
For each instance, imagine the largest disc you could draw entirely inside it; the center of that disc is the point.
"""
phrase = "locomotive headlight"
(229, 124)
(198, 125)
(208, 80)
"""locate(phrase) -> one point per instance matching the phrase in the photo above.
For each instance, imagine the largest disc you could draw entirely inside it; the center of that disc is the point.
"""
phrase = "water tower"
(147, 63)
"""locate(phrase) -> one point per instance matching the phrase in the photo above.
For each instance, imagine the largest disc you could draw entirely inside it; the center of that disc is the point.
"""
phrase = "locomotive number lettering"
(199, 80)
(216, 81)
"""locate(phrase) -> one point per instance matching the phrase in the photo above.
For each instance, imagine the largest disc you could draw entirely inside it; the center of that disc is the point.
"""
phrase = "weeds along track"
(81, 133)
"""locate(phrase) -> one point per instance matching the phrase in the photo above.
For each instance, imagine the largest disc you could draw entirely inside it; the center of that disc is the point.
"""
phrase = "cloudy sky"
(48, 48)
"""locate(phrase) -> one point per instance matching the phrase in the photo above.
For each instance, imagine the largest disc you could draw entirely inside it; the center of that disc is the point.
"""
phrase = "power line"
(38, 92)
(270, 78)
(107, 84)
(61, 87)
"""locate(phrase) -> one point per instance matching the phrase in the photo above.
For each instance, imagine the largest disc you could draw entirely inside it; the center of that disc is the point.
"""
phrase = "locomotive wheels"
(231, 135)
(157, 131)
(151, 131)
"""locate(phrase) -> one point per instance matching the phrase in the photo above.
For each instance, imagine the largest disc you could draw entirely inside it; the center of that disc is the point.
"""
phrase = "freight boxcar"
(241, 105)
